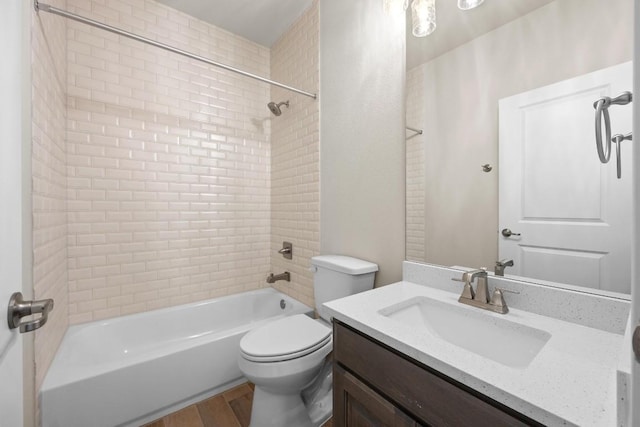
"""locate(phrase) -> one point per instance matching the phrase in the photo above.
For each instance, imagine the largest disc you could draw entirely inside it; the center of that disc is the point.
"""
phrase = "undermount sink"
(509, 343)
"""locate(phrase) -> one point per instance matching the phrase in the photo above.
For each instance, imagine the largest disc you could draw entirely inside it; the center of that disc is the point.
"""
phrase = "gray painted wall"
(362, 113)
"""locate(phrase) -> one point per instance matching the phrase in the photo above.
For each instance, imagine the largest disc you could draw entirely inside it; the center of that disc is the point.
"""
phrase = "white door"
(10, 210)
(572, 213)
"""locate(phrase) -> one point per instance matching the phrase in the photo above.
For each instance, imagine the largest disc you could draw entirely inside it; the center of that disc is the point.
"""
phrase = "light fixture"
(423, 13)
(423, 17)
(394, 6)
(469, 4)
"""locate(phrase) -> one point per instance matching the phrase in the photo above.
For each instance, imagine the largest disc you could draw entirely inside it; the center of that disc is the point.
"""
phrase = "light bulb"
(469, 4)
(394, 6)
(423, 17)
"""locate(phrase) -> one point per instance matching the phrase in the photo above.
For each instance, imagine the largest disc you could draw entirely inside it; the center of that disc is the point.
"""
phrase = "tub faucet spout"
(274, 278)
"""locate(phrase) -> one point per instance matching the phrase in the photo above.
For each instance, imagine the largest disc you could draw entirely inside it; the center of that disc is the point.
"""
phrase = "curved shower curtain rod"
(51, 9)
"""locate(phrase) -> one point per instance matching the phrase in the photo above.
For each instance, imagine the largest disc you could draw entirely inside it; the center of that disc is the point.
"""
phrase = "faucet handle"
(497, 299)
(508, 291)
(467, 292)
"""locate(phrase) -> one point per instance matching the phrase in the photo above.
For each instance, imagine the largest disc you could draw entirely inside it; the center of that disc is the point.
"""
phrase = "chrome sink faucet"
(481, 285)
(480, 298)
(501, 265)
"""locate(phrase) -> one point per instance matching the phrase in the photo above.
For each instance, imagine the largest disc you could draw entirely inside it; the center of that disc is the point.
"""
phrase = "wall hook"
(487, 167)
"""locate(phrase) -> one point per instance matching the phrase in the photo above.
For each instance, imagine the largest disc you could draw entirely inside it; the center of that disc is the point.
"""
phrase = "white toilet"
(285, 359)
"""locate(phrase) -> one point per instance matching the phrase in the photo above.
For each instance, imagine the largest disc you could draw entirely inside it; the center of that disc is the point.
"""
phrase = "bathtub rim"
(60, 375)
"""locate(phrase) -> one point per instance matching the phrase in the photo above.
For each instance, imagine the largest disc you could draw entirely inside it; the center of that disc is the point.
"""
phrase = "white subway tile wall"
(295, 156)
(48, 163)
(168, 163)
(416, 118)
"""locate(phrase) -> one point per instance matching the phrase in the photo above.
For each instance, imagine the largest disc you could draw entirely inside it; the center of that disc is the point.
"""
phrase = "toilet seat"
(285, 339)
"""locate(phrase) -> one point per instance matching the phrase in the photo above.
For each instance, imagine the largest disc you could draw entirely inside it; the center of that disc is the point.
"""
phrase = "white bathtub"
(133, 369)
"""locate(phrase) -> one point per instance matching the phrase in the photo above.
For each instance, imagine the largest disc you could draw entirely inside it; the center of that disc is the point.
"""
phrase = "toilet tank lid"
(344, 264)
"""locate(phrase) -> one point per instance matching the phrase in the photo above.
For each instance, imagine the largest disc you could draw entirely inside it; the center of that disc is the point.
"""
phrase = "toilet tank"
(337, 276)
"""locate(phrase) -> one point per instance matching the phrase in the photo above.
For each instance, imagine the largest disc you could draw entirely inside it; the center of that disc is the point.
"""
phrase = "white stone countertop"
(572, 381)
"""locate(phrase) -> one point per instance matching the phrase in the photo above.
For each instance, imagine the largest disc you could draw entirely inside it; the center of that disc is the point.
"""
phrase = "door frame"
(28, 17)
(17, 21)
(635, 250)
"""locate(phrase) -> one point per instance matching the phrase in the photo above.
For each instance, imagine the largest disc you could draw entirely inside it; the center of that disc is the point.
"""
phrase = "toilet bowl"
(281, 359)
(287, 359)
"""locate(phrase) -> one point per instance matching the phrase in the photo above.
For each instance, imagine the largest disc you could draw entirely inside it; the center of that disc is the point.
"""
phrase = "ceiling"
(456, 27)
(261, 21)
(264, 21)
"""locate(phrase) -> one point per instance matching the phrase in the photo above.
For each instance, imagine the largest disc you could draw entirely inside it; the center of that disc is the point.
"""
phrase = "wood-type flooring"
(229, 409)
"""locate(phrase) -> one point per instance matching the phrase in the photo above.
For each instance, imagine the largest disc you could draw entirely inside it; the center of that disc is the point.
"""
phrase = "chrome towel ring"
(602, 111)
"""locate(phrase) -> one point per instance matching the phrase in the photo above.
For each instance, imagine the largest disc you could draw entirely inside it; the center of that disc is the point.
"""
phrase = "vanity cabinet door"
(356, 405)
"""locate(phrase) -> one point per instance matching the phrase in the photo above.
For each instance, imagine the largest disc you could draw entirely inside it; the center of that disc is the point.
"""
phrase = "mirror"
(456, 79)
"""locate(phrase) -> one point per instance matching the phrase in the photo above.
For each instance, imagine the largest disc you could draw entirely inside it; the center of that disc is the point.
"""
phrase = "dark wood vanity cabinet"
(359, 405)
(374, 385)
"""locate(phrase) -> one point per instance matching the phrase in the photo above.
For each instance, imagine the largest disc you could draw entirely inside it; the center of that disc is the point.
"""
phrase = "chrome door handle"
(19, 308)
(508, 233)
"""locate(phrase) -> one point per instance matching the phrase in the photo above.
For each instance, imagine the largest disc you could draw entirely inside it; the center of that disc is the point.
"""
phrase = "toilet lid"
(285, 339)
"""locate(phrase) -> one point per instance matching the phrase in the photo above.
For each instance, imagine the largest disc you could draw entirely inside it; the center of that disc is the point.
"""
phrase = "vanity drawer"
(422, 392)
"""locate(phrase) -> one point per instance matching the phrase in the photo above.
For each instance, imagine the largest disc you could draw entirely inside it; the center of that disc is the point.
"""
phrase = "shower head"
(275, 108)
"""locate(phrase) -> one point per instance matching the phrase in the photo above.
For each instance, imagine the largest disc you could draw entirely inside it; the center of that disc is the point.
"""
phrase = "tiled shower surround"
(48, 165)
(168, 163)
(159, 180)
(295, 156)
(415, 164)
